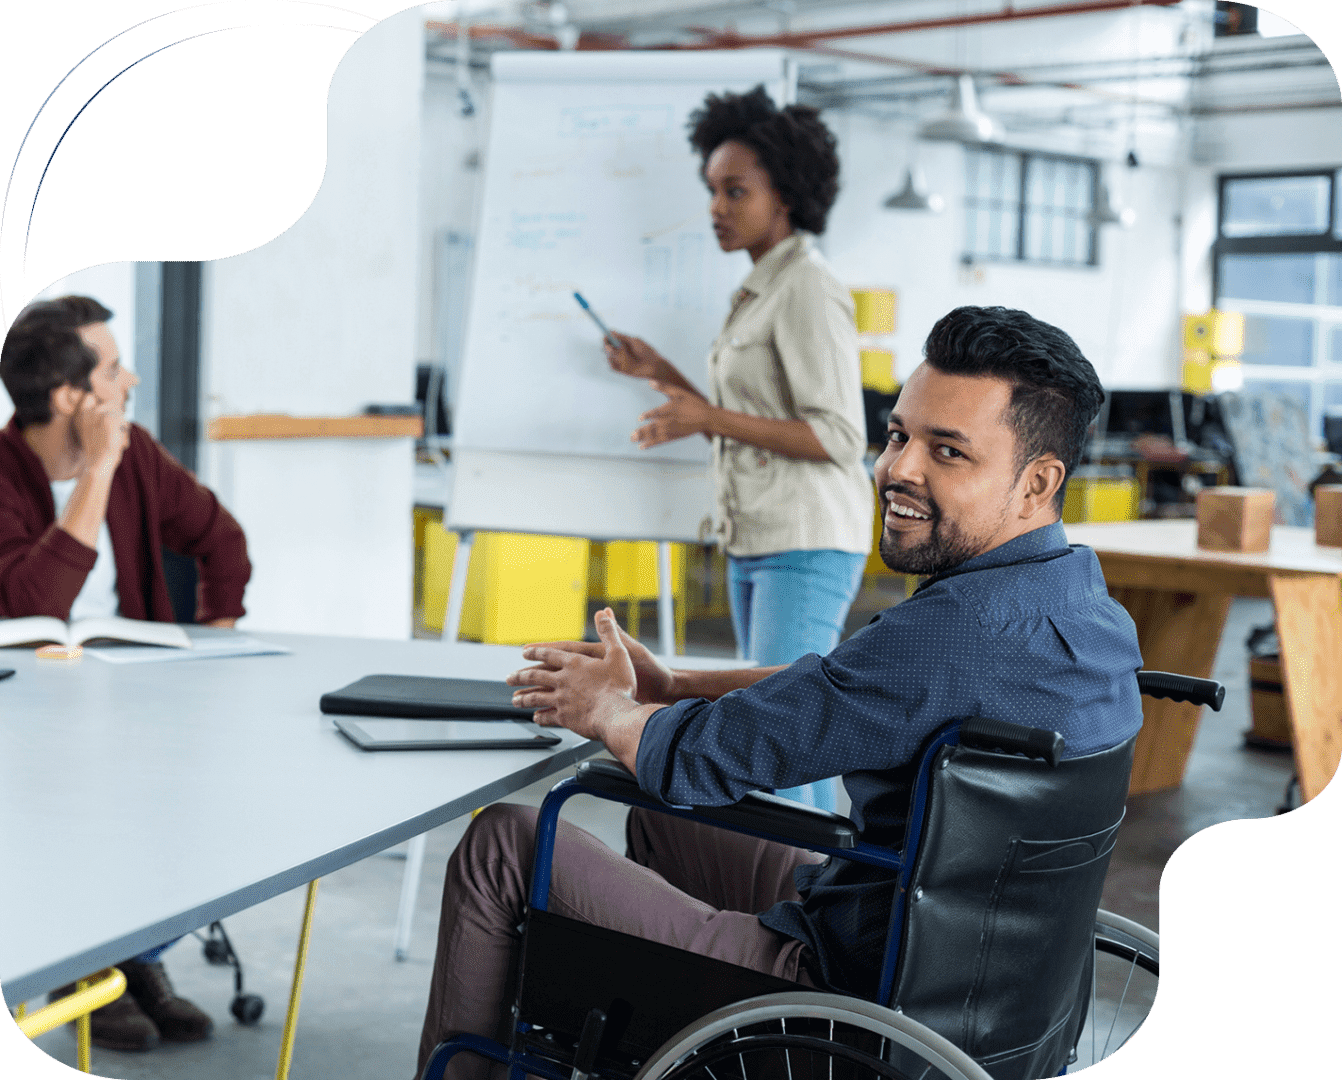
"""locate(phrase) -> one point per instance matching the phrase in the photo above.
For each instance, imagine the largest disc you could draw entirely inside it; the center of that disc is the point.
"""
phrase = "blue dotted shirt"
(1026, 632)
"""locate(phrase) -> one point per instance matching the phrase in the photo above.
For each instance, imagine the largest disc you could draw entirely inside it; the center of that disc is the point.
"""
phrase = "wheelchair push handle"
(1166, 684)
(984, 734)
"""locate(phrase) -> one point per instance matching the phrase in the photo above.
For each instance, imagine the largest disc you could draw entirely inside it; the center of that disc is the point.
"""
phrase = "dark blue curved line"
(45, 101)
(27, 232)
(4, 203)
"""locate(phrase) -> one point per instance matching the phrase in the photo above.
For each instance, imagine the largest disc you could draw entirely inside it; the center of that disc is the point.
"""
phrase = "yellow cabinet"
(519, 588)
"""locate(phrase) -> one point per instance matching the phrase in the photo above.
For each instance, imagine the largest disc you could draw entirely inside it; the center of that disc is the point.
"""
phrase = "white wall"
(322, 321)
(112, 285)
(1123, 313)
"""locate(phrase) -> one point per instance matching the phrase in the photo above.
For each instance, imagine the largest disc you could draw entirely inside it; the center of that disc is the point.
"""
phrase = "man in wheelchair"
(1011, 623)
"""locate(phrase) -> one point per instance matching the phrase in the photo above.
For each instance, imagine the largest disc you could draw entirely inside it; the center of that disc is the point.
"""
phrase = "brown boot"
(176, 1018)
(118, 1025)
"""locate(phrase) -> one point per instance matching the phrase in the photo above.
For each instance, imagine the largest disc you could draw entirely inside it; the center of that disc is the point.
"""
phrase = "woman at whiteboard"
(784, 405)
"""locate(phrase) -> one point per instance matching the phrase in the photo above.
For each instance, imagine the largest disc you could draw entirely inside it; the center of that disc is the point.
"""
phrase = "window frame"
(1326, 242)
(1019, 201)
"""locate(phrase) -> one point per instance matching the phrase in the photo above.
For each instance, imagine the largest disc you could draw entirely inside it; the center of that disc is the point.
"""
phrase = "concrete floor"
(362, 1009)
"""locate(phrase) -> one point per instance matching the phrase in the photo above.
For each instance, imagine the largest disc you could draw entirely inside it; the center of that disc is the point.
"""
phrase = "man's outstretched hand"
(589, 687)
(655, 682)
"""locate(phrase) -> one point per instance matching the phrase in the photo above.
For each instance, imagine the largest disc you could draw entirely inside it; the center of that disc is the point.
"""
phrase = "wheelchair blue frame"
(547, 823)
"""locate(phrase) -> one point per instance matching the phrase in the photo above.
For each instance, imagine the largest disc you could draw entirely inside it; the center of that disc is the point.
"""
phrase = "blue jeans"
(787, 605)
(153, 954)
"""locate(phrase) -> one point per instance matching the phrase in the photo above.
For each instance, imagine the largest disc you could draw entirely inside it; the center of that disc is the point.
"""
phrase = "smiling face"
(948, 478)
(747, 211)
(110, 381)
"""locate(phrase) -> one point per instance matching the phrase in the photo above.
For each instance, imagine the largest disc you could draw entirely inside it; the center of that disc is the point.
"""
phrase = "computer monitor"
(1332, 433)
(1126, 414)
(1145, 412)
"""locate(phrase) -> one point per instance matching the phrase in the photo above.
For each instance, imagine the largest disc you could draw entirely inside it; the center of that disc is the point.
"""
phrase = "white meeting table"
(139, 802)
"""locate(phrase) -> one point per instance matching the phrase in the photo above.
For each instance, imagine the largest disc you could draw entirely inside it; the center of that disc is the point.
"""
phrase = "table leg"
(1176, 632)
(296, 990)
(1309, 628)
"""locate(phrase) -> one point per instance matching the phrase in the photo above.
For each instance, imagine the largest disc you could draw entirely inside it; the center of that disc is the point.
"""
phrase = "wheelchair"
(998, 963)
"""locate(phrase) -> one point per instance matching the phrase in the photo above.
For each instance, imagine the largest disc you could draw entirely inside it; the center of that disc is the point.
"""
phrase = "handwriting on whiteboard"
(616, 120)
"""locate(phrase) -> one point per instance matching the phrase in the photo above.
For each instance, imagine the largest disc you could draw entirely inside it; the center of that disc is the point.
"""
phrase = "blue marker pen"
(611, 339)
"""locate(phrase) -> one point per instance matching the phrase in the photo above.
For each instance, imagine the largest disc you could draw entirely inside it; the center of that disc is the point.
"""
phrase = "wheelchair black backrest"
(1012, 855)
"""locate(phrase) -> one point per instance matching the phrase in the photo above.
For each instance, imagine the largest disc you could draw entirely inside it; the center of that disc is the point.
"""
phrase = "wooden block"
(1328, 515)
(1235, 518)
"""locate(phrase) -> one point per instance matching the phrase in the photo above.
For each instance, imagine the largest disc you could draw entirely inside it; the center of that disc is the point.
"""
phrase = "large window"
(1278, 259)
(1030, 207)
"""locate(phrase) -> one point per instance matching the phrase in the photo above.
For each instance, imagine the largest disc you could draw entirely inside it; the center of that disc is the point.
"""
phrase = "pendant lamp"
(913, 195)
(964, 123)
(1105, 213)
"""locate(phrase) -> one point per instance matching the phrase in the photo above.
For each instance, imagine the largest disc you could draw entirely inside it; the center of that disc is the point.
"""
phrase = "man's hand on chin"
(592, 696)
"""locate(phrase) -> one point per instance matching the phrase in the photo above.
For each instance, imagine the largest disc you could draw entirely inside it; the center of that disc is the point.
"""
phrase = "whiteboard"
(590, 185)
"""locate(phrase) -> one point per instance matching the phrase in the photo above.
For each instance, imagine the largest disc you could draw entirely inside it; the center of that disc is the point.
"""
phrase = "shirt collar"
(1048, 540)
(762, 275)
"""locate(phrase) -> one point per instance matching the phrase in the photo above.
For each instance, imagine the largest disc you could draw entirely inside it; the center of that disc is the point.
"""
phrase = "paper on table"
(204, 647)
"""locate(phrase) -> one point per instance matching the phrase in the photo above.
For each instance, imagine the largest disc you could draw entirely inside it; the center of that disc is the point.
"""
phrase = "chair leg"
(83, 1036)
(405, 916)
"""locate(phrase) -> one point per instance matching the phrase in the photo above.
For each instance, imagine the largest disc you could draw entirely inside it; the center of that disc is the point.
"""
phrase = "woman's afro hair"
(793, 145)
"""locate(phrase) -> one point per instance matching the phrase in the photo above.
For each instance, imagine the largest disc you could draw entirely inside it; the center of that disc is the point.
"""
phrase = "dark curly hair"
(1055, 393)
(43, 351)
(794, 146)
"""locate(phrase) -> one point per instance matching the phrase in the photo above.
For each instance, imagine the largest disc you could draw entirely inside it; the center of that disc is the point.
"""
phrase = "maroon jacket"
(154, 503)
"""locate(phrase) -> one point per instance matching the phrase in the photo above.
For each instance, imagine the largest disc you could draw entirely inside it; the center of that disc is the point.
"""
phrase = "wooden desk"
(1179, 597)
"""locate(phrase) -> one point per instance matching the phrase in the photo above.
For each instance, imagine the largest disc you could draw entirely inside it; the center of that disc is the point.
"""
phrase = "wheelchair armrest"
(804, 826)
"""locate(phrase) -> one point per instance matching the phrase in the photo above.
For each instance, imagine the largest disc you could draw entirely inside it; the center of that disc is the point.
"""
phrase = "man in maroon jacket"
(88, 501)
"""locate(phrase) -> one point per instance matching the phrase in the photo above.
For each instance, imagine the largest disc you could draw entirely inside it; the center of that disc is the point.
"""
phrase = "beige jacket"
(789, 351)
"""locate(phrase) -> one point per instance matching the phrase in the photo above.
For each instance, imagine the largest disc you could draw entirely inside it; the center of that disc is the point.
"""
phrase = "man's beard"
(945, 548)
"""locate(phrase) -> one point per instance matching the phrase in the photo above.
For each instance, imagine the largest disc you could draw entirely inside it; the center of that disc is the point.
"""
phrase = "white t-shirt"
(98, 597)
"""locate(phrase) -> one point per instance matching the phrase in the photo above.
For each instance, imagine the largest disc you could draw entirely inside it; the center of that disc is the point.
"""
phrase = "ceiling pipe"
(795, 39)
(1002, 78)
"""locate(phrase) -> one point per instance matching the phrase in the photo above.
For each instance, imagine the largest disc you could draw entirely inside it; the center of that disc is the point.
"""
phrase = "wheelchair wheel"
(806, 1035)
(1127, 969)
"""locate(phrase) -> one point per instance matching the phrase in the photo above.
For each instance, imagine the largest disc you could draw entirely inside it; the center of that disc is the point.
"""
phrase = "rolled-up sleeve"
(816, 340)
(868, 705)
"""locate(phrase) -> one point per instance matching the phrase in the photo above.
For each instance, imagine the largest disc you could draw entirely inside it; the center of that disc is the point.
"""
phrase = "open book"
(38, 629)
